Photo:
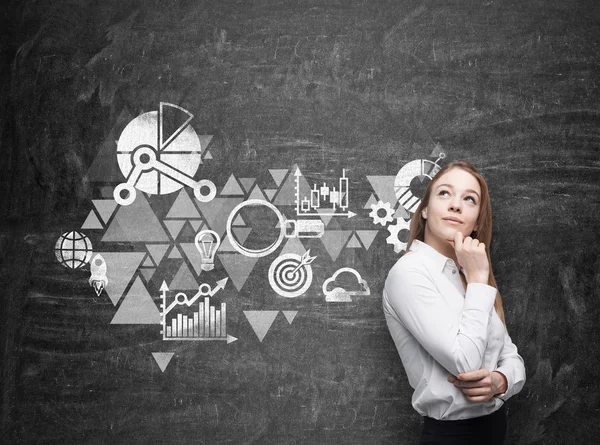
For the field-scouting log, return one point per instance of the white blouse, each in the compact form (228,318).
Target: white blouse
(441,330)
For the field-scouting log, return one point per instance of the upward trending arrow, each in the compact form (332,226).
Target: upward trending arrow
(220,285)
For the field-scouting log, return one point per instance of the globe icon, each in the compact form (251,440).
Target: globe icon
(73,250)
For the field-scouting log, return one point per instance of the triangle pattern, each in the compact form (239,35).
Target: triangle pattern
(163,359)
(120,267)
(217,211)
(238,267)
(191,253)
(196,224)
(183,207)
(137,307)
(278,175)
(270,193)
(401,212)
(384,188)
(105,167)
(293,245)
(114,231)
(137,223)
(247,183)
(226,246)
(241,233)
(238,221)
(91,222)
(334,241)
(187,231)
(367,237)
(257,194)
(290,315)
(184,280)
(148,262)
(287,192)
(437,149)
(147,273)
(232,188)
(157,251)
(174,227)
(205,140)
(208,155)
(370,202)
(175,254)
(354,243)
(105,208)
(325,218)
(261,321)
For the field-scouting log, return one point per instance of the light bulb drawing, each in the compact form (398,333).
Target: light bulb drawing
(207,242)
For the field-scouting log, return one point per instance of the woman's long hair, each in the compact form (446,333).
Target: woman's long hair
(484,222)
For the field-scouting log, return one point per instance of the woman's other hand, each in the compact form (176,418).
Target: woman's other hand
(480,385)
(471,255)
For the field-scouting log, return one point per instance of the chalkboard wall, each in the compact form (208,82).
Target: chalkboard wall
(283,91)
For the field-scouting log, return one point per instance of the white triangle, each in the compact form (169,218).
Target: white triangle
(231,338)
(261,321)
(290,315)
(232,188)
(162,359)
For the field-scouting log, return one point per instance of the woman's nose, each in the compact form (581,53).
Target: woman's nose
(455,204)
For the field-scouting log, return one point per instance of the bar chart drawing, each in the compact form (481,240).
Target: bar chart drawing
(205,322)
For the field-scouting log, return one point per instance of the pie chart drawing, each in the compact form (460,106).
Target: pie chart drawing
(421,170)
(159,152)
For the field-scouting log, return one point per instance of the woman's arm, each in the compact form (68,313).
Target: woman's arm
(511,364)
(457,344)
(482,385)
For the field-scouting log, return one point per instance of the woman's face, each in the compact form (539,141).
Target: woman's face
(456,195)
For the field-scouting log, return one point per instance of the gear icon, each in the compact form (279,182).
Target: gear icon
(383,220)
(394,230)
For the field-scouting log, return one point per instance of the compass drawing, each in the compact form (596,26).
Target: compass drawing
(159,152)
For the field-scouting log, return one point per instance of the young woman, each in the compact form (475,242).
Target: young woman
(445,315)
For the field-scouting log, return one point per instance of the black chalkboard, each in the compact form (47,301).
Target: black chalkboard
(331,89)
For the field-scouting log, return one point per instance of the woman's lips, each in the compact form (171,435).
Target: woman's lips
(451,221)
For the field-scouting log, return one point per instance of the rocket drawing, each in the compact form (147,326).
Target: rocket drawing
(98,279)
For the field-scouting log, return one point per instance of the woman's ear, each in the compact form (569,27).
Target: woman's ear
(424,213)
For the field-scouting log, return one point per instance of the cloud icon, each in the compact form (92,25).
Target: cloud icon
(353,285)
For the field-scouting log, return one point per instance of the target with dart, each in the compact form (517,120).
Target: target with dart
(290,275)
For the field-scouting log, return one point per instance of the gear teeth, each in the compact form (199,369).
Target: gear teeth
(382,220)
(394,230)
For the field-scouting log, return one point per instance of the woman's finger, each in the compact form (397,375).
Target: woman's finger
(479,398)
(475,384)
(476,391)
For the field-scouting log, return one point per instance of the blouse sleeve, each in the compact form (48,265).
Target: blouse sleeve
(511,364)
(457,344)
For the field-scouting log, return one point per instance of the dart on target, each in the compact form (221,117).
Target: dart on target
(290,275)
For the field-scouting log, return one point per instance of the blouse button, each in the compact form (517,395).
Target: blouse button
(454,271)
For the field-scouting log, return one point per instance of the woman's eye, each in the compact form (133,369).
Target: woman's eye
(468,197)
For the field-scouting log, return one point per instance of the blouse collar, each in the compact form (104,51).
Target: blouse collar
(440,261)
